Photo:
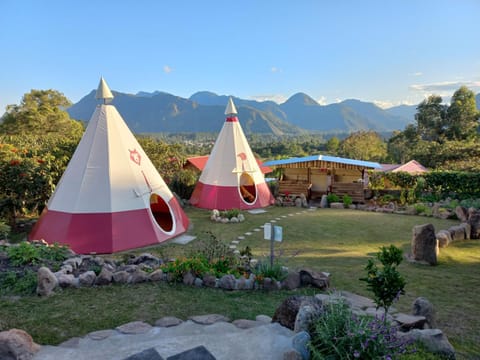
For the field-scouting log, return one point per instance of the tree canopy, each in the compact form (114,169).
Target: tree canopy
(444,136)
(364,145)
(40,112)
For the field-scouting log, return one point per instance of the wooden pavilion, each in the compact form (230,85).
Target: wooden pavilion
(317,175)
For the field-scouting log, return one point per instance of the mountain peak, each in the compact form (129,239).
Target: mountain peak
(301,99)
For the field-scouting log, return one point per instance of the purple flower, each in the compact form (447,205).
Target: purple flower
(356,354)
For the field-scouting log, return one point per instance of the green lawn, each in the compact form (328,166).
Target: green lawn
(336,241)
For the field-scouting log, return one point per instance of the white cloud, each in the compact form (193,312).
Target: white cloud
(388,104)
(384,104)
(416,74)
(278,98)
(275,69)
(167,69)
(322,100)
(443,87)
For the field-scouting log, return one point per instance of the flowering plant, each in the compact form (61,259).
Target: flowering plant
(340,334)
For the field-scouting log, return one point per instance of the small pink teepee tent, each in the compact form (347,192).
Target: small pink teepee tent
(231,178)
(111,197)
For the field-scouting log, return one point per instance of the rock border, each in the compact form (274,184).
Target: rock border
(77,272)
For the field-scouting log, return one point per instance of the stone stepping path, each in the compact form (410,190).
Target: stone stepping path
(201,337)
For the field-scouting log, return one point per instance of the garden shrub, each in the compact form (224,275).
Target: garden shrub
(420,208)
(4,229)
(386,283)
(25,253)
(340,334)
(22,282)
(265,270)
(347,200)
(230,213)
(183,183)
(332,198)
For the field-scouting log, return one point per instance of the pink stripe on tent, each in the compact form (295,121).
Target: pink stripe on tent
(232,119)
(227,197)
(104,233)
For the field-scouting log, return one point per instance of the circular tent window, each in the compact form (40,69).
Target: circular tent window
(247,188)
(161,212)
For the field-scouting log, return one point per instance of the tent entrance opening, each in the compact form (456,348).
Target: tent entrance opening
(161,212)
(248,190)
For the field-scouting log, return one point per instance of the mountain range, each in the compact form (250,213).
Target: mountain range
(158,111)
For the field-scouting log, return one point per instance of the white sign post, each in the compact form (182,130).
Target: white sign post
(272,233)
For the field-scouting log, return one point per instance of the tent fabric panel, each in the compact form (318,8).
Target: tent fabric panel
(132,173)
(104,233)
(211,197)
(84,173)
(101,176)
(230,156)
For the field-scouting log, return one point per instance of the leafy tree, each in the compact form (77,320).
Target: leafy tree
(167,158)
(364,145)
(462,116)
(333,144)
(443,137)
(431,118)
(400,144)
(40,112)
(386,283)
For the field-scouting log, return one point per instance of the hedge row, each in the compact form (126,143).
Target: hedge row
(461,184)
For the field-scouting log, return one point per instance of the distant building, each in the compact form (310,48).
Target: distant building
(411,167)
(317,175)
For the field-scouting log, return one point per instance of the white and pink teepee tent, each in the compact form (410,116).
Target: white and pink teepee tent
(231,178)
(111,197)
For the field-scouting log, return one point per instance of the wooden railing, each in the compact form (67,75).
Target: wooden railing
(294,187)
(354,190)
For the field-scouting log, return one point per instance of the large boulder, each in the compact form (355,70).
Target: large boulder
(462,213)
(286,313)
(308,312)
(16,344)
(444,238)
(457,232)
(138,276)
(474,221)
(317,279)
(424,244)
(156,275)
(227,282)
(292,281)
(87,278)
(104,278)
(209,281)
(434,341)
(46,281)
(188,278)
(423,307)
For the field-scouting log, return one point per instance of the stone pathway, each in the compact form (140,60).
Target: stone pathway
(200,337)
(235,243)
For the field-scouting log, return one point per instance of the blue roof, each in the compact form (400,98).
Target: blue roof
(336,159)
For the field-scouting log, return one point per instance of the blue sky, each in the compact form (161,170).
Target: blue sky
(386,51)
